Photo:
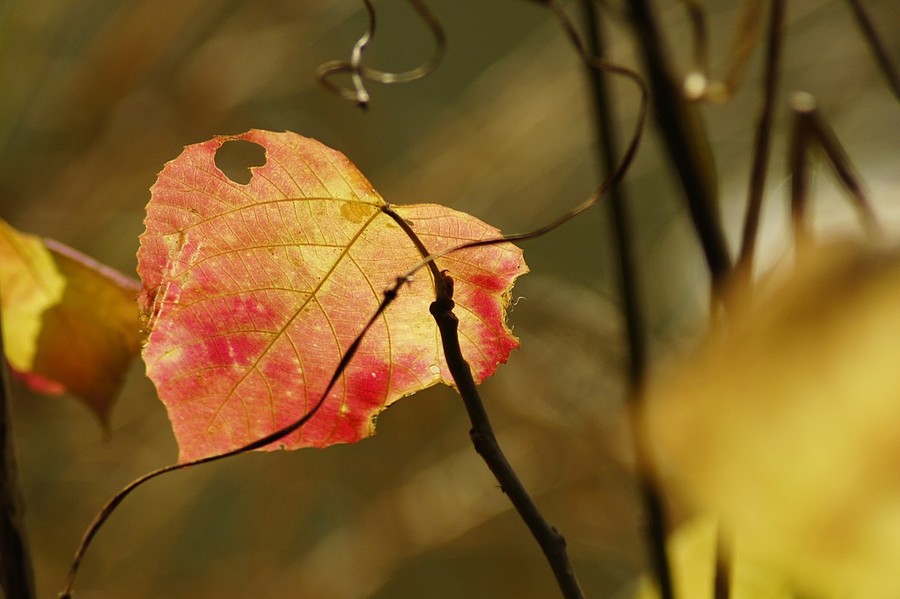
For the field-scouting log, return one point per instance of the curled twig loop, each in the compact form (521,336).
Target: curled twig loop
(360,73)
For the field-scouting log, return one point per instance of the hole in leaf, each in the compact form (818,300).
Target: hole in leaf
(236,157)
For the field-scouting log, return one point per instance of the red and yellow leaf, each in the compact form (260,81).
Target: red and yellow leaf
(69,324)
(252,293)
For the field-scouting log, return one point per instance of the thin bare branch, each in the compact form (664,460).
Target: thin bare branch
(686,142)
(798,166)
(654,507)
(810,130)
(844,171)
(882,57)
(552,543)
(762,138)
(485,441)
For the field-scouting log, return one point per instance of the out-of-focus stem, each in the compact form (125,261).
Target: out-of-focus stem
(762,140)
(16,574)
(628,288)
(685,140)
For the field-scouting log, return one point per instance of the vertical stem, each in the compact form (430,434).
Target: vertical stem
(552,543)
(722,575)
(628,289)
(697,14)
(607,154)
(762,140)
(802,104)
(685,140)
(16,575)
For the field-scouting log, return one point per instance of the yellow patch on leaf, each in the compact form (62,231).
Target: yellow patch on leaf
(30,283)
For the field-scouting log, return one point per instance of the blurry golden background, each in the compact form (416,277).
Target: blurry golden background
(98,94)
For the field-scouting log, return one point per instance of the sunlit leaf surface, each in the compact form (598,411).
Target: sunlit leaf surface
(252,293)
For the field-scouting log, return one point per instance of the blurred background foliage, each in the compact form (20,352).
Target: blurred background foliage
(97,95)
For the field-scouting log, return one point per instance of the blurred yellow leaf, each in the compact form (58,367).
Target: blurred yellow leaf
(692,555)
(787,424)
(69,324)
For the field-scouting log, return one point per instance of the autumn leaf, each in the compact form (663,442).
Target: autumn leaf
(69,324)
(252,293)
(786,423)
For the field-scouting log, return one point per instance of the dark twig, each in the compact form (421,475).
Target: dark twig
(723,572)
(16,575)
(844,171)
(686,141)
(628,289)
(607,152)
(552,543)
(762,139)
(888,68)
(550,540)
(809,128)
(700,32)
(801,104)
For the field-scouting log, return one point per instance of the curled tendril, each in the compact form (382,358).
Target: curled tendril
(359,73)
(599,64)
